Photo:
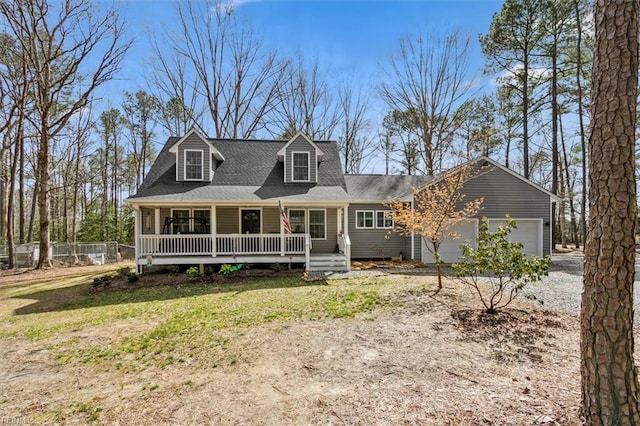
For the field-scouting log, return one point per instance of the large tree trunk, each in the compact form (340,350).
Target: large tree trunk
(43,200)
(609,378)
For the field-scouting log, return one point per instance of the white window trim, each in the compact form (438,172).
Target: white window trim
(384,212)
(184,166)
(307,220)
(293,168)
(190,210)
(240,219)
(373,222)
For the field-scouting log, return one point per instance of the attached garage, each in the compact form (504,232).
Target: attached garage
(528,232)
(450,251)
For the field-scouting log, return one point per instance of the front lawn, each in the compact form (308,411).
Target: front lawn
(277,350)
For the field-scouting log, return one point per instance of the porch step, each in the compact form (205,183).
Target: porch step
(327,262)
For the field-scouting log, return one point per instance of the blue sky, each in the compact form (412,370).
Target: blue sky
(351,38)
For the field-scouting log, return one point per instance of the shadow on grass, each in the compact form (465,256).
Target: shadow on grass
(81,296)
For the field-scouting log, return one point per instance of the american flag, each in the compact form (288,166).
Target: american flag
(285,219)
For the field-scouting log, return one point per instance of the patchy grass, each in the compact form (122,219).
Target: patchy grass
(193,322)
(279,350)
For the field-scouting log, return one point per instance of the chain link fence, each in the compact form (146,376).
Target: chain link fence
(96,253)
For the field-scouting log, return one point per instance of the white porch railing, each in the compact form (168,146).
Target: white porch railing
(174,245)
(259,244)
(344,245)
(226,244)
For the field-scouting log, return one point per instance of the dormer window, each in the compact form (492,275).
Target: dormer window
(193,164)
(300,169)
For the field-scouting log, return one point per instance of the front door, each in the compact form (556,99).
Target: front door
(250,224)
(250,221)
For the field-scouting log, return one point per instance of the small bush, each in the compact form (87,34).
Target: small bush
(125,271)
(277,267)
(226,269)
(174,269)
(498,269)
(208,271)
(193,271)
(132,277)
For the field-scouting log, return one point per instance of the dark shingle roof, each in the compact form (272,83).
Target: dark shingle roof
(250,172)
(382,187)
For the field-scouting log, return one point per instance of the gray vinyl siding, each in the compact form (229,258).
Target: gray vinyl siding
(271,220)
(300,145)
(506,194)
(328,245)
(165,213)
(194,142)
(375,243)
(227,220)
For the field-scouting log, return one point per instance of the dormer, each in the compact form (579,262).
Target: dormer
(196,158)
(300,157)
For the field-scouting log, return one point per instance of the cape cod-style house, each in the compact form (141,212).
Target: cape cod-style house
(216,201)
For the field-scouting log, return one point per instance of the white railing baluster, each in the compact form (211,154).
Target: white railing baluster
(225,244)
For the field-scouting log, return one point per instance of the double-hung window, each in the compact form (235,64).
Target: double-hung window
(313,222)
(300,166)
(317,224)
(297,219)
(200,220)
(383,221)
(364,219)
(193,165)
(180,221)
(373,219)
(190,221)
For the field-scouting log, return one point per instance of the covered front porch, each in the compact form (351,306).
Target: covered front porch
(219,234)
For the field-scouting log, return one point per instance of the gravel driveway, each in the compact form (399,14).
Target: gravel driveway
(562,289)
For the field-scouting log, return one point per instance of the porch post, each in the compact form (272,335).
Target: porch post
(413,236)
(345,218)
(156,213)
(282,242)
(214,225)
(136,236)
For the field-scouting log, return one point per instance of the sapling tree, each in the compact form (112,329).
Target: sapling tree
(498,269)
(436,209)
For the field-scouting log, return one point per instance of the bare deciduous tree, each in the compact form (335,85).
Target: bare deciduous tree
(215,58)
(354,141)
(304,103)
(430,76)
(63,44)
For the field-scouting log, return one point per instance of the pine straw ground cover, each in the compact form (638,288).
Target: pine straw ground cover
(279,350)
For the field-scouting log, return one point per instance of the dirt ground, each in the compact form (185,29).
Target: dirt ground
(434,361)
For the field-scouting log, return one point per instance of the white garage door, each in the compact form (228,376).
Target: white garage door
(450,249)
(529,233)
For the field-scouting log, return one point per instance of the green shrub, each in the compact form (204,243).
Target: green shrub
(208,271)
(498,269)
(174,269)
(193,271)
(277,267)
(226,269)
(124,271)
(132,277)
